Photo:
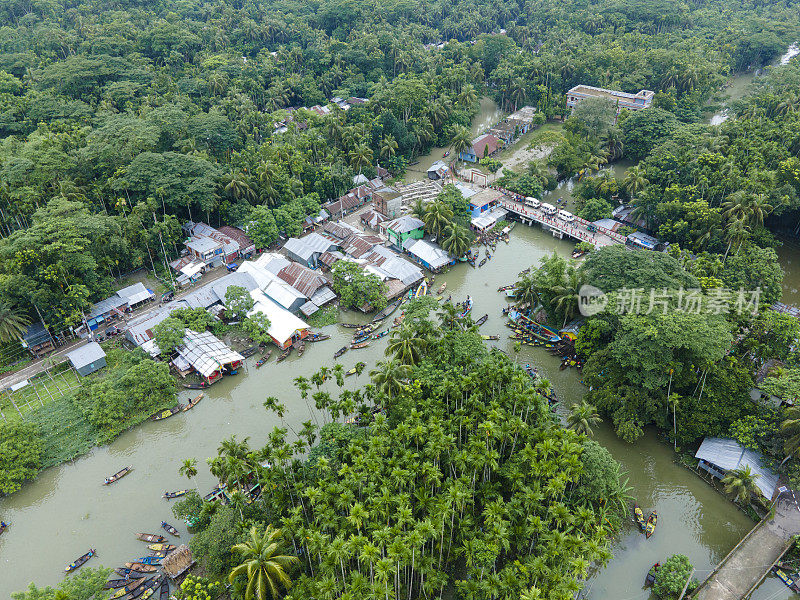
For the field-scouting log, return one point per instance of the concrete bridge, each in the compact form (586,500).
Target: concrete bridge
(750,561)
(577,229)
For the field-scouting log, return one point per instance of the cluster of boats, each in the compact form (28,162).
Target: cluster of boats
(647,527)
(139,579)
(169,412)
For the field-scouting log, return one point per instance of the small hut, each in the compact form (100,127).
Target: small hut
(178,562)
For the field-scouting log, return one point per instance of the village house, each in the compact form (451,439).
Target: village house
(246,246)
(359,244)
(206,354)
(114,307)
(489,219)
(352,200)
(285,328)
(387,201)
(718,456)
(313,286)
(482,146)
(637,101)
(400,229)
(306,250)
(483,201)
(372,219)
(438,170)
(429,255)
(210,246)
(37,340)
(340,230)
(87,359)
(399,274)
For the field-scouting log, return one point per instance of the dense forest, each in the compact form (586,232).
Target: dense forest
(118,123)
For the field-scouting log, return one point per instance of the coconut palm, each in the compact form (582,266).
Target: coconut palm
(189,470)
(526,293)
(634,180)
(791,427)
(449,315)
(406,345)
(565,294)
(389,146)
(360,156)
(418,209)
(238,187)
(389,376)
(461,140)
(583,417)
(266,571)
(456,240)
(13,323)
(741,483)
(438,216)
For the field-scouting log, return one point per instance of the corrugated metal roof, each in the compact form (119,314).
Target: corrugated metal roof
(728,454)
(135,293)
(361,244)
(206,352)
(340,230)
(86,355)
(107,305)
(404,224)
(302,279)
(432,255)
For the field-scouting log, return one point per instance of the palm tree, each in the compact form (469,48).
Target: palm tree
(461,140)
(741,483)
(389,376)
(449,315)
(406,345)
(238,187)
(437,217)
(456,240)
(582,417)
(418,209)
(389,146)
(360,155)
(791,427)
(13,323)
(189,470)
(526,293)
(565,295)
(467,97)
(634,180)
(263,567)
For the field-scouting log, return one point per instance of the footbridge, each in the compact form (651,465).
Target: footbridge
(751,560)
(578,229)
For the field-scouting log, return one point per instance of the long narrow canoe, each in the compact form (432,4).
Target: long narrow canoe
(359,345)
(149,560)
(118,475)
(163,593)
(167,527)
(351,325)
(128,588)
(143,591)
(166,413)
(248,352)
(388,310)
(317,337)
(651,524)
(340,351)
(490,337)
(639,515)
(80,561)
(153,538)
(193,402)
(164,547)
(260,362)
(178,494)
(195,386)
(285,354)
(130,573)
(140,567)
(442,288)
(354,370)
(482,320)
(114,584)
(301,347)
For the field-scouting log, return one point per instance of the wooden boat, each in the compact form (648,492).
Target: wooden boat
(195,386)
(3,527)
(169,528)
(166,413)
(359,345)
(483,262)
(163,590)
(149,560)
(260,362)
(130,573)
(354,370)
(351,325)
(141,567)
(163,547)
(380,334)
(285,354)
(398,320)
(367,329)
(467,308)
(153,538)
(118,475)
(301,348)
(153,588)
(388,310)
(576,254)
(421,290)
(651,524)
(503,288)
(442,288)
(248,352)
(80,561)
(317,337)
(639,516)
(127,589)
(482,320)
(115,584)
(339,352)
(490,337)
(178,494)
(650,578)
(193,402)
(786,579)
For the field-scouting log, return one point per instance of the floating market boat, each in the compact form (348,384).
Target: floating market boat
(285,354)
(316,337)
(178,494)
(163,547)
(301,348)
(196,386)
(786,579)
(421,290)
(359,345)
(442,288)
(651,524)
(650,579)
(118,475)
(339,352)
(467,304)
(398,320)
(351,325)
(503,288)
(166,413)
(114,584)
(80,561)
(361,338)
(380,334)
(153,538)
(367,329)
(482,320)
(639,516)
(127,589)
(163,593)
(141,567)
(170,529)
(130,573)
(483,262)
(355,369)
(3,527)
(193,402)
(388,310)
(260,362)
(490,337)
(149,560)
(248,352)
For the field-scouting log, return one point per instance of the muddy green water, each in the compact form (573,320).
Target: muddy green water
(66,510)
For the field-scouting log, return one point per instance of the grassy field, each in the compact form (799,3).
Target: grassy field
(41,390)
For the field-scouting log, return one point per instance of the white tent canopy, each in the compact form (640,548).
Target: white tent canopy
(283,324)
